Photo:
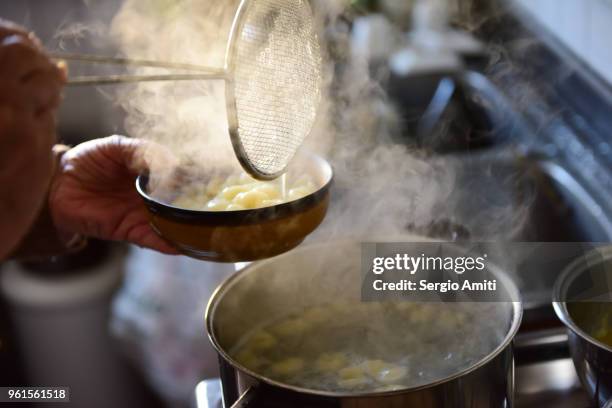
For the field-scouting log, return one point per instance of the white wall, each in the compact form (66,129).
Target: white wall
(584,25)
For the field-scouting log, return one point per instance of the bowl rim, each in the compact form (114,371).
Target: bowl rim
(567,277)
(516,319)
(241,217)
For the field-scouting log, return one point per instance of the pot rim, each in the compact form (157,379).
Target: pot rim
(517,315)
(575,269)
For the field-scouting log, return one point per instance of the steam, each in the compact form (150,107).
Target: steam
(188,118)
(383,187)
(380,188)
(74,33)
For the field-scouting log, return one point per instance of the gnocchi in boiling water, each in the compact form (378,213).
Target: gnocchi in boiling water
(381,347)
(242,193)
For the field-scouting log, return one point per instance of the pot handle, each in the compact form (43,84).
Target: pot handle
(248,399)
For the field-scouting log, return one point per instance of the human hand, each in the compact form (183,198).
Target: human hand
(94,193)
(30,93)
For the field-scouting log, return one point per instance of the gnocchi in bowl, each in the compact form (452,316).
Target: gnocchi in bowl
(242,192)
(238,219)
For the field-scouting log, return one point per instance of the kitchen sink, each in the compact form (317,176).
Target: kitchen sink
(534,199)
(539,213)
(507,189)
(563,210)
(454,113)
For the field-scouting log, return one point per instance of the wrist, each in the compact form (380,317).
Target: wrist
(71,241)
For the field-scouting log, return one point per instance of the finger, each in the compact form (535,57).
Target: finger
(43,91)
(152,154)
(138,155)
(19,58)
(9,28)
(62,66)
(46,125)
(165,174)
(140,233)
(154,242)
(123,158)
(123,152)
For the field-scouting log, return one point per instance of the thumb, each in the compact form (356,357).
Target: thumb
(137,155)
(162,166)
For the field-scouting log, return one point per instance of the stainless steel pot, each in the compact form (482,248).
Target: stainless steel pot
(319,274)
(582,293)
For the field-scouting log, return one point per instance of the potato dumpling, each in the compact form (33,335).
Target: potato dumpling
(229,193)
(405,306)
(271,191)
(235,207)
(316,315)
(390,387)
(291,327)
(351,372)
(353,382)
(262,340)
(287,367)
(250,199)
(218,204)
(249,359)
(374,367)
(391,374)
(329,362)
(271,203)
(448,319)
(299,192)
(423,314)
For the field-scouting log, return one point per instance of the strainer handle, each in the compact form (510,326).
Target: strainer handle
(204,73)
(123,79)
(104,60)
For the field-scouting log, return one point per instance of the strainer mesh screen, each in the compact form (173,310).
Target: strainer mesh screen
(277,81)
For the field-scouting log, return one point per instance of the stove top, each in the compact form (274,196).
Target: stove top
(549,384)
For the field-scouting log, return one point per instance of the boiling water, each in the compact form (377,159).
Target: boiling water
(373,346)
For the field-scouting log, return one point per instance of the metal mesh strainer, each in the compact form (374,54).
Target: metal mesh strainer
(275,89)
(273,77)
